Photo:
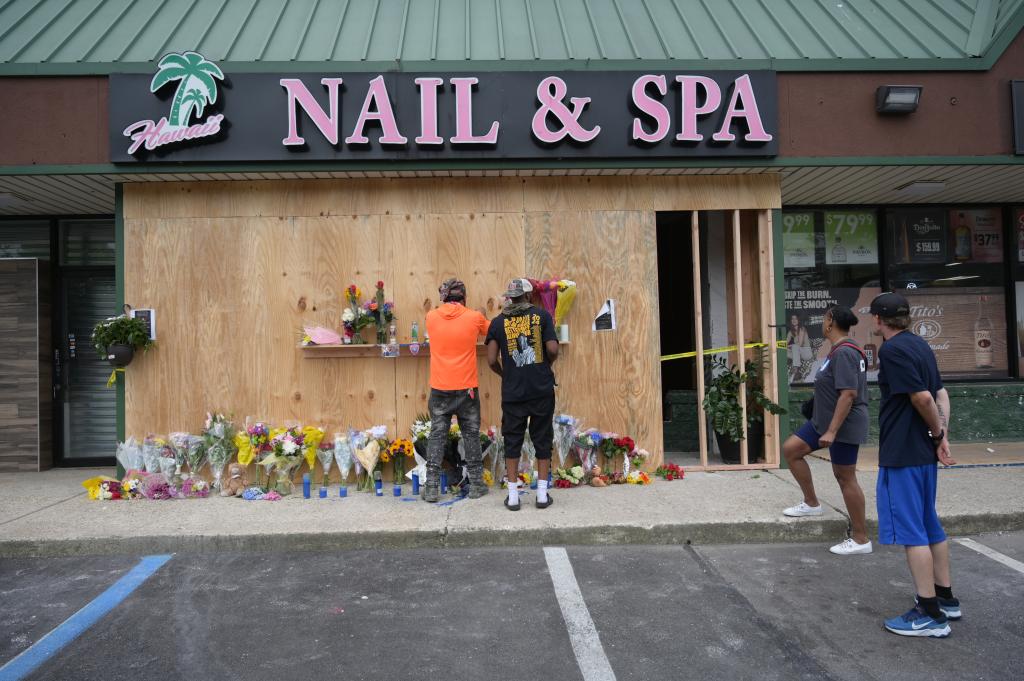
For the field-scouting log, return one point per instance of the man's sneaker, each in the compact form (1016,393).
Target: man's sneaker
(916,622)
(850,547)
(950,607)
(802,509)
(477,490)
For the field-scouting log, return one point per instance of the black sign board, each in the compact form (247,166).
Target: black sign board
(1017,97)
(428,117)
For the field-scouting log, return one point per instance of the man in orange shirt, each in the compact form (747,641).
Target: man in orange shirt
(453,330)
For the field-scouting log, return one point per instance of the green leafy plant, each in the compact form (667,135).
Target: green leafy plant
(722,399)
(120,330)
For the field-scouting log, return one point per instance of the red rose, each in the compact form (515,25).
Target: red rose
(380,284)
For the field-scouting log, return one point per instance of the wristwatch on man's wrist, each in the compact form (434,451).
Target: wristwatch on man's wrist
(937,439)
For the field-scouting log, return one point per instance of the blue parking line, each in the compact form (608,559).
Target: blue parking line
(73,627)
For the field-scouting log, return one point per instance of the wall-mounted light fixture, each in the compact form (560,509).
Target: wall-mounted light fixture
(897,99)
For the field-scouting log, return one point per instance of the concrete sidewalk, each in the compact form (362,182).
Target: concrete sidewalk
(45,514)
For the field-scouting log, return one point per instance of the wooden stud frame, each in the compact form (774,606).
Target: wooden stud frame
(765,298)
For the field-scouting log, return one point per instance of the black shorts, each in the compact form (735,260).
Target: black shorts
(541,414)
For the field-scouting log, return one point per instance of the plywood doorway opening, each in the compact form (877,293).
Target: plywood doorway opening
(730,307)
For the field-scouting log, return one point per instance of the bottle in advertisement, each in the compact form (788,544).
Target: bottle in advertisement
(871,355)
(962,240)
(982,337)
(838,252)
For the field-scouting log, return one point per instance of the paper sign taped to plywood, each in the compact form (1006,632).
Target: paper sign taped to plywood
(148,317)
(605,319)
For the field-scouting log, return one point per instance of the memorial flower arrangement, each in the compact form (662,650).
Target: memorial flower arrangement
(545,294)
(258,438)
(312,436)
(354,318)
(343,455)
(397,453)
(420,430)
(565,427)
(566,297)
(219,437)
(285,455)
(325,454)
(585,444)
(612,447)
(380,312)
(670,472)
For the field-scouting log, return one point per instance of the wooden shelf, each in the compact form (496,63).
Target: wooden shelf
(371,351)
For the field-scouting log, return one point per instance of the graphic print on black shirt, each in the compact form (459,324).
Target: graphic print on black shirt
(526,372)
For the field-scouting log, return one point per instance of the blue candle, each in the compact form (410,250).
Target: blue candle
(378,487)
(323,492)
(397,490)
(415,483)
(305,485)
(343,491)
(444,482)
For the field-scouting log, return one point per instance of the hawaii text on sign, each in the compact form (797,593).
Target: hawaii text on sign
(189,111)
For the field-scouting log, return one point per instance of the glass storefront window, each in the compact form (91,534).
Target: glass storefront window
(1017,249)
(831,258)
(949,264)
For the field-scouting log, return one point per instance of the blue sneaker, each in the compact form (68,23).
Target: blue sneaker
(916,622)
(950,607)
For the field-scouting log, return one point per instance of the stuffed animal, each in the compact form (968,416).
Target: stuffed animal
(235,483)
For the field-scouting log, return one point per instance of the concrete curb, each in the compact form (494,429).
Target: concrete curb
(805,530)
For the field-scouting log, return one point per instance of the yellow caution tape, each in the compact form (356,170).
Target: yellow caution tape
(714,351)
(113,377)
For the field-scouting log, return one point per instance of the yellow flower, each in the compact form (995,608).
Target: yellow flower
(488,478)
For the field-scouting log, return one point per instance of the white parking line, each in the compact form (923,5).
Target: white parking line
(586,644)
(1011,563)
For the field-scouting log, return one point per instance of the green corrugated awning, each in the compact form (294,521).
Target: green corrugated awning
(105,36)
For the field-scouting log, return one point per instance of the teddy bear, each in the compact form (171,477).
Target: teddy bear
(235,483)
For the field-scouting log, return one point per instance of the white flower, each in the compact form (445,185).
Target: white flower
(348,315)
(290,447)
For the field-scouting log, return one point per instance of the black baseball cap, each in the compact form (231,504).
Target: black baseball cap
(890,305)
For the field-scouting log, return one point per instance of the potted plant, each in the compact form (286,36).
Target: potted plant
(722,404)
(117,338)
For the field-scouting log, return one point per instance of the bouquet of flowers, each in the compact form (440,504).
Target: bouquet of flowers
(613,446)
(196,453)
(259,438)
(566,297)
(528,458)
(397,452)
(194,488)
(421,433)
(635,460)
(343,455)
(129,455)
(380,312)
(495,449)
(586,443)
(570,477)
(367,448)
(354,318)
(312,436)
(670,471)
(219,436)
(545,292)
(325,454)
(565,434)
(103,487)
(131,487)
(638,478)
(156,487)
(169,463)
(285,454)
(179,444)
(152,448)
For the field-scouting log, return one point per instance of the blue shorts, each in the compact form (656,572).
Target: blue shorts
(906,506)
(841,453)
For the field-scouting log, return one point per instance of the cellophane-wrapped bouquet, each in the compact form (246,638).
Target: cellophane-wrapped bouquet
(219,436)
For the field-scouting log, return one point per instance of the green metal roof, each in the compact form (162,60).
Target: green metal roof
(104,36)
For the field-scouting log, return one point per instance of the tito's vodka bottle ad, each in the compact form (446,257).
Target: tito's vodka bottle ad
(982,337)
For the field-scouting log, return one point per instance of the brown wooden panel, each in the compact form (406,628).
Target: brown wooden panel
(22,426)
(611,380)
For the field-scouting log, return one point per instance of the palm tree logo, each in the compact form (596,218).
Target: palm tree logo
(196,84)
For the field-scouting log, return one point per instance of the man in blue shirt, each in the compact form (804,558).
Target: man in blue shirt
(913,420)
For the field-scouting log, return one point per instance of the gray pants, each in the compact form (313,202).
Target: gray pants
(443,404)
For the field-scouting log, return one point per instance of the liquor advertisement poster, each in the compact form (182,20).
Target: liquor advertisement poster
(976,235)
(807,347)
(965,327)
(798,239)
(918,236)
(851,238)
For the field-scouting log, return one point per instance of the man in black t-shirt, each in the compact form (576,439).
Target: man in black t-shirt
(521,345)
(913,420)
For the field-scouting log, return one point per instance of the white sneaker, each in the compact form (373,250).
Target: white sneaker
(802,509)
(850,547)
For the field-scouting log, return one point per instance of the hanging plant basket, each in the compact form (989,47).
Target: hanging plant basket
(120,355)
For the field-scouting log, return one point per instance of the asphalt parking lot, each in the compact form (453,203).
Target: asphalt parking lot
(781,611)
